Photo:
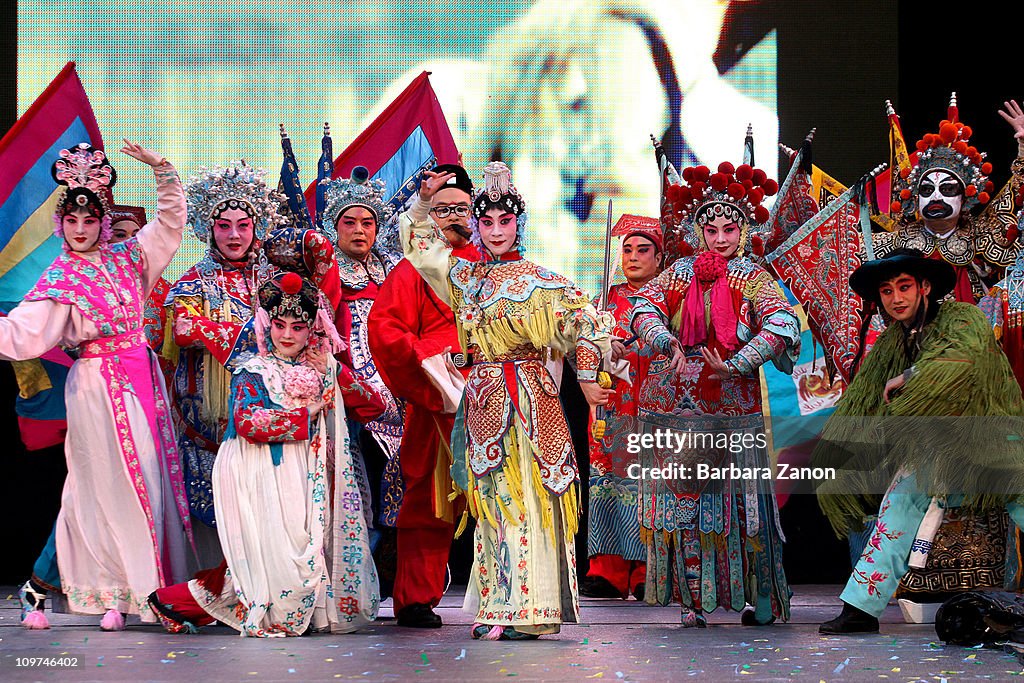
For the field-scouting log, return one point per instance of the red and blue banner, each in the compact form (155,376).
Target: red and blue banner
(61,117)
(408,137)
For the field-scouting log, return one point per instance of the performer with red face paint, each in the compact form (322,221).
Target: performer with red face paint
(617,555)
(354,212)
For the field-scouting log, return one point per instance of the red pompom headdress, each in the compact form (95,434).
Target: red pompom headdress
(736,191)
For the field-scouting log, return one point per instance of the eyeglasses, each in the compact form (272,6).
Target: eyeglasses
(460,210)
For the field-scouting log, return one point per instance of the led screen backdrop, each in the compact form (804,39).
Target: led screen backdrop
(566,92)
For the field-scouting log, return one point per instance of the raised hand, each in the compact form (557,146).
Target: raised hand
(432,182)
(146,156)
(1014,116)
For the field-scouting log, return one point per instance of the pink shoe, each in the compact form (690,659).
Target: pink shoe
(32,602)
(112,621)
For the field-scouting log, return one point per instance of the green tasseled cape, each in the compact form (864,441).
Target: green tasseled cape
(927,429)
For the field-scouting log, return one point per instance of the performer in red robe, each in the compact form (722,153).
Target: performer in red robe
(410,324)
(355,210)
(618,558)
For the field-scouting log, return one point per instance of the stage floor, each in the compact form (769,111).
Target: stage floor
(625,641)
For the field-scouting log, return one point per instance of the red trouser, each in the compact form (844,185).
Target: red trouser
(423,539)
(178,598)
(625,575)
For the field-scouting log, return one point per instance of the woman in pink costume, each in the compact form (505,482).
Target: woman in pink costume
(121,531)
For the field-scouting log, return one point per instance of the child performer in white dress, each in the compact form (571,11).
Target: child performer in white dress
(289,512)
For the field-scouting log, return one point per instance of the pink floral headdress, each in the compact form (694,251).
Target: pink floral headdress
(89,177)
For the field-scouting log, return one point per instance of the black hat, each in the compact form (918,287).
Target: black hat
(866,279)
(461,180)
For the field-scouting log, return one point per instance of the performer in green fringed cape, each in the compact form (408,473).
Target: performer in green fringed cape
(934,412)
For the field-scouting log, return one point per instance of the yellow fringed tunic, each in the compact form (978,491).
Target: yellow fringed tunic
(515,462)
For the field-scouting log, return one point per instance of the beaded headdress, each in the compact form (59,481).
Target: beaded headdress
(289,294)
(89,177)
(498,192)
(949,150)
(236,186)
(359,190)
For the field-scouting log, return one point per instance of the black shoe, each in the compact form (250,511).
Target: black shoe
(599,587)
(418,616)
(639,591)
(748,617)
(851,620)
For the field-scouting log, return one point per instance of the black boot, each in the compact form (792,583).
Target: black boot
(599,587)
(418,616)
(851,620)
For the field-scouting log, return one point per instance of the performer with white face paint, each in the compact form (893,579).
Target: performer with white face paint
(938,195)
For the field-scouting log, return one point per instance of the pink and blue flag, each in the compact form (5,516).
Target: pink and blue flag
(408,137)
(59,118)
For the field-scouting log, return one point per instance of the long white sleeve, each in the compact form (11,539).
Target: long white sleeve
(426,251)
(35,327)
(161,237)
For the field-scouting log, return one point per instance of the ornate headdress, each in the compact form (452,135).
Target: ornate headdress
(734,191)
(289,294)
(89,177)
(359,190)
(307,290)
(949,150)
(629,225)
(236,186)
(498,192)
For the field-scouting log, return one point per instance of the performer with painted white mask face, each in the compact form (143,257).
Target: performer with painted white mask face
(938,195)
